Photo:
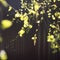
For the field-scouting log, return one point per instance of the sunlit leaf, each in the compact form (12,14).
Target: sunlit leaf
(3,55)
(6,24)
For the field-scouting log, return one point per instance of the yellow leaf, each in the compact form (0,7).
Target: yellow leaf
(4,3)
(6,24)
(21,32)
(30,26)
(17,15)
(10,8)
(3,55)
(53,26)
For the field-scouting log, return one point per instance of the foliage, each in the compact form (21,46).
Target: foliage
(35,10)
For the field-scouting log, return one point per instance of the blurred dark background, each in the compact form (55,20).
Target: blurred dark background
(22,48)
